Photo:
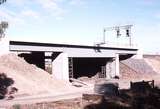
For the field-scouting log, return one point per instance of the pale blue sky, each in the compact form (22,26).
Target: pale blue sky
(82,21)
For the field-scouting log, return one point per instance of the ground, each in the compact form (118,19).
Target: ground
(33,93)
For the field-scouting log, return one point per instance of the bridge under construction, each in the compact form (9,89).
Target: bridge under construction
(73,61)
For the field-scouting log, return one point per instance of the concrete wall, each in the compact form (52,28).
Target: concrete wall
(60,67)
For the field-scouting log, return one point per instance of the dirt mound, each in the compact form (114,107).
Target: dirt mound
(28,78)
(139,65)
(137,69)
(128,73)
(154,63)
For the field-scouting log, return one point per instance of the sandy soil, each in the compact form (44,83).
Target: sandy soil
(35,82)
(29,79)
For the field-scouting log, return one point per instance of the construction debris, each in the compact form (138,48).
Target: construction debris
(77,83)
(106,88)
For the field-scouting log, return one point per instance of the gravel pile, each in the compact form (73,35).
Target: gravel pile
(154,63)
(147,68)
(139,65)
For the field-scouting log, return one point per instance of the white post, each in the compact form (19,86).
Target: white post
(108,70)
(60,67)
(117,65)
(113,67)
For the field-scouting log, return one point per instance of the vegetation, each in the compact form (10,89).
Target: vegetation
(141,96)
(16,106)
(5,89)
(2,1)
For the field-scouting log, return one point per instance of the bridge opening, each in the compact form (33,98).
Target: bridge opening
(87,67)
(36,58)
(42,60)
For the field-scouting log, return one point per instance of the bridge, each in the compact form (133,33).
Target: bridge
(73,61)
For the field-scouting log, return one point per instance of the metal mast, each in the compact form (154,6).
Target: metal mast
(117,29)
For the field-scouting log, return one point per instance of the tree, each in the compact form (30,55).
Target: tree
(3,27)
(3,24)
(2,1)
(5,86)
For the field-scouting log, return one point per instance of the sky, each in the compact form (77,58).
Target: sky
(82,21)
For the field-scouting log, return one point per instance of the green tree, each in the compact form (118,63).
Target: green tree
(3,27)
(6,88)
(5,82)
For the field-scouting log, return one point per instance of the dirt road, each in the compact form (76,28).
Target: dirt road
(46,97)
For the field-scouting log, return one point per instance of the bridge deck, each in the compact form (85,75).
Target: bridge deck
(72,50)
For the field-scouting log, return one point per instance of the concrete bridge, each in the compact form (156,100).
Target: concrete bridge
(73,61)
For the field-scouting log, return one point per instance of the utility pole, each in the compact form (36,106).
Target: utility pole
(104,37)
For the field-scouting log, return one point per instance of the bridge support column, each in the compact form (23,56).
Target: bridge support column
(117,65)
(60,67)
(110,69)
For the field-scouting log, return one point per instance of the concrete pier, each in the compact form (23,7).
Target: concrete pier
(60,67)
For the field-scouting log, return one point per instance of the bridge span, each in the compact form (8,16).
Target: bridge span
(73,61)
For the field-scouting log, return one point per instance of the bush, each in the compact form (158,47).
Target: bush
(5,83)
